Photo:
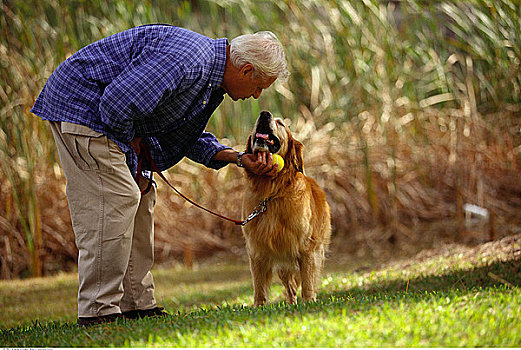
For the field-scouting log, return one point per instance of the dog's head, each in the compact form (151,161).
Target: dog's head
(272,135)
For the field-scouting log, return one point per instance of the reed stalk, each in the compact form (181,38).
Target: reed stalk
(406,108)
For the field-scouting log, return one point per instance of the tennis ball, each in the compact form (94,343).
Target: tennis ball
(278,160)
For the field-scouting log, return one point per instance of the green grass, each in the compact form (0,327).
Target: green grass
(467,298)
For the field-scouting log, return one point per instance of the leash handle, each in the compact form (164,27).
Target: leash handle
(145,154)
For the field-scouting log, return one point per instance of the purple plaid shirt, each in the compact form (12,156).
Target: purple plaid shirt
(158,82)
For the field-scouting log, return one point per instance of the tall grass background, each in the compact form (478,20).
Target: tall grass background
(407,109)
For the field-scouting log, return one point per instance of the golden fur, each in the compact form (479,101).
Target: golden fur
(292,236)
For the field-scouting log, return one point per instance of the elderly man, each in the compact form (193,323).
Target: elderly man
(156,85)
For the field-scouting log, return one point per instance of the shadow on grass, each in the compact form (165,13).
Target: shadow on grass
(506,272)
(213,274)
(216,296)
(125,333)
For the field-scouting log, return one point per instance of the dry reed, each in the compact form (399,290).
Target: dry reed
(407,110)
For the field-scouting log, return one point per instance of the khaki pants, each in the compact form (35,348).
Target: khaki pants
(112,223)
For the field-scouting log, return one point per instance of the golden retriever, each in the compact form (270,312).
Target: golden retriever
(293,234)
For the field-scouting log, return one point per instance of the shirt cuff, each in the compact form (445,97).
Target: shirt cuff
(217,164)
(205,149)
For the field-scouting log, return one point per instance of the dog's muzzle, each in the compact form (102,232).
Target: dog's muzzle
(264,139)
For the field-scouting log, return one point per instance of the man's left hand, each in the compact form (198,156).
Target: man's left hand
(260,163)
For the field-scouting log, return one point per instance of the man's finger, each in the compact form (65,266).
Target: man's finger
(272,172)
(261,158)
(269,160)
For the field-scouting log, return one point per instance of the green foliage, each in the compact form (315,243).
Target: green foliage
(465,299)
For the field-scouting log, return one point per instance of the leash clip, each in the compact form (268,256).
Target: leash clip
(259,209)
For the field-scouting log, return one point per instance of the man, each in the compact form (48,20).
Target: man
(156,85)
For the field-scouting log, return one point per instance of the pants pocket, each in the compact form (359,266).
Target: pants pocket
(90,149)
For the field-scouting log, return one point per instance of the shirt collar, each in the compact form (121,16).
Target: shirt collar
(216,77)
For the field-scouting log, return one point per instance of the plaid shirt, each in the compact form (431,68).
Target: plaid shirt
(158,82)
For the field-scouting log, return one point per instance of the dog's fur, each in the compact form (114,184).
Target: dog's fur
(292,236)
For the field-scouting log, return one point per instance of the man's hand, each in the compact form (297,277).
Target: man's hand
(134,143)
(260,163)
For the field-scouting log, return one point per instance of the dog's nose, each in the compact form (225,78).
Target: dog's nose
(265,114)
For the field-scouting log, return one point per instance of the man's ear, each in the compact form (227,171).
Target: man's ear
(247,69)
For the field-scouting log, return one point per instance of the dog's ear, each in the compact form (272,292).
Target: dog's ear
(299,151)
(248,145)
(294,155)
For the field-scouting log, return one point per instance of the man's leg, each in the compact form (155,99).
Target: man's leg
(138,283)
(103,200)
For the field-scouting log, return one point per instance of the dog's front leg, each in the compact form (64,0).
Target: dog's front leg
(261,271)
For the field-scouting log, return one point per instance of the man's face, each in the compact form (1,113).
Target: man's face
(245,86)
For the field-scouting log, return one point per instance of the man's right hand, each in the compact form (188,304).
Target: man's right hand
(135,144)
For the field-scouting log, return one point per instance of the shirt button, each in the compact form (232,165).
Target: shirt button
(204,102)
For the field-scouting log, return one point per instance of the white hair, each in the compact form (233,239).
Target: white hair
(262,50)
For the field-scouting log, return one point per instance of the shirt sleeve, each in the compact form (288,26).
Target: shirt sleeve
(137,91)
(204,149)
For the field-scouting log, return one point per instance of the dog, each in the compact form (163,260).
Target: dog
(292,236)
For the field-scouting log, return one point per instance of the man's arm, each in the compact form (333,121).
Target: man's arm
(259,164)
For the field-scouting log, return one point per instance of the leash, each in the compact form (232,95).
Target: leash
(144,155)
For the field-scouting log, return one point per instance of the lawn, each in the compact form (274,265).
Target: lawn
(457,296)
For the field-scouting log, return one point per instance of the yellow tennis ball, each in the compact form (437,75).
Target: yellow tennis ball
(278,160)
